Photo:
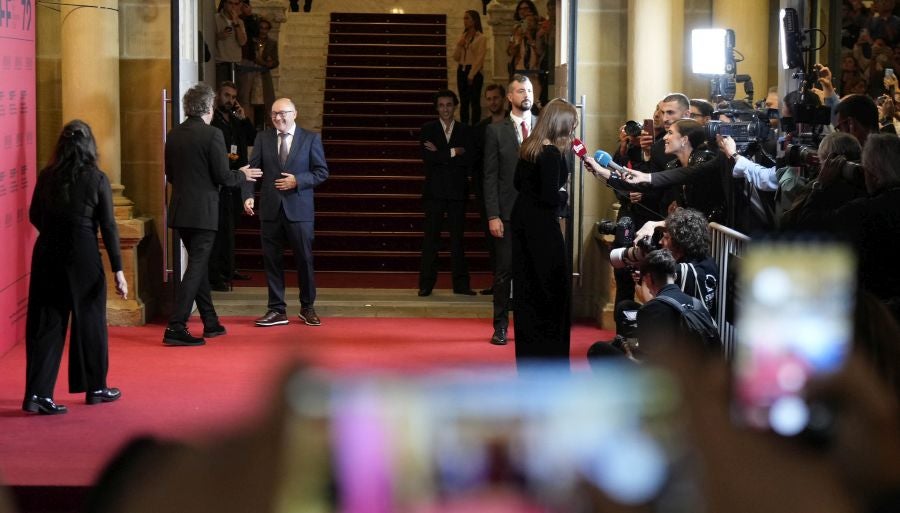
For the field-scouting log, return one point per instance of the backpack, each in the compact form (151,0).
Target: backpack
(697,321)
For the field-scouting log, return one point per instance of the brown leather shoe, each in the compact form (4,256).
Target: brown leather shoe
(272,318)
(308,315)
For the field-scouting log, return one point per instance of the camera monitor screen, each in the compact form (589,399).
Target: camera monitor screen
(481,441)
(794,323)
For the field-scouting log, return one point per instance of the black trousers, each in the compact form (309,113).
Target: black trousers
(541,275)
(502,276)
(434,221)
(194,285)
(469,95)
(63,284)
(221,261)
(299,235)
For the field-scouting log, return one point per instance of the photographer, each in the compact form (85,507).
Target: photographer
(685,234)
(837,182)
(872,223)
(658,323)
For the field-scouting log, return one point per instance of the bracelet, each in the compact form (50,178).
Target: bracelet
(734,156)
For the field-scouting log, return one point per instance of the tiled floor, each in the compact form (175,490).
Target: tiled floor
(345,302)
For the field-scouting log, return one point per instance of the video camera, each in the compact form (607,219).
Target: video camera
(754,129)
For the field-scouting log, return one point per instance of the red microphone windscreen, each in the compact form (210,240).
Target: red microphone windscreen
(578,148)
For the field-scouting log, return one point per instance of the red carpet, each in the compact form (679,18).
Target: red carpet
(189,392)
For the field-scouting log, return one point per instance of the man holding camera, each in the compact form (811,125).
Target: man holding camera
(238,131)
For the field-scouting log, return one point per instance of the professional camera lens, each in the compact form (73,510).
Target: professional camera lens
(606,227)
(633,128)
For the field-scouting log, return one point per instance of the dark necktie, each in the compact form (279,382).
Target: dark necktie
(524,130)
(283,148)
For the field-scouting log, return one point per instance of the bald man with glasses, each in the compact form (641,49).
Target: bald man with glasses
(293,164)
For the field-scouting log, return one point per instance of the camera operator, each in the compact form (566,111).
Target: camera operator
(838,181)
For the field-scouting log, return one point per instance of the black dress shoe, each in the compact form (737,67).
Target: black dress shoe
(219,286)
(424,292)
(240,277)
(181,337)
(466,292)
(499,337)
(272,318)
(487,292)
(214,331)
(104,395)
(43,405)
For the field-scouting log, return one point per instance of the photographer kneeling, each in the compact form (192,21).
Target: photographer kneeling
(685,234)
(660,322)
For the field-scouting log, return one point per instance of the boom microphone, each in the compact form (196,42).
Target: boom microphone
(605,160)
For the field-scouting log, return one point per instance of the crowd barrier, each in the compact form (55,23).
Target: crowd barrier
(727,247)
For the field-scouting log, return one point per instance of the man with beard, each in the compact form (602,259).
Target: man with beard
(495,98)
(238,131)
(501,154)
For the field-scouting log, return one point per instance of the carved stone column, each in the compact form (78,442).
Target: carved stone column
(500,18)
(89,42)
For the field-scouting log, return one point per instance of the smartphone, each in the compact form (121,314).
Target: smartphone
(516,443)
(649,128)
(794,323)
(889,72)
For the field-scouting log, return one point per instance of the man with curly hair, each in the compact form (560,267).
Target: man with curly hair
(686,236)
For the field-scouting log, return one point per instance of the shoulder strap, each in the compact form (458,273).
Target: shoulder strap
(671,302)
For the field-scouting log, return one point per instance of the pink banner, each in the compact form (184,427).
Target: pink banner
(18,158)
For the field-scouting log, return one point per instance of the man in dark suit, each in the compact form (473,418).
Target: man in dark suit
(238,131)
(501,154)
(446,151)
(293,164)
(495,99)
(197,165)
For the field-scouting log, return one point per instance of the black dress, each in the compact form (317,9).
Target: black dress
(67,278)
(540,267)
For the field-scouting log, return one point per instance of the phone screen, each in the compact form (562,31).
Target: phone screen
(794,322)
(477,442)
(648,127)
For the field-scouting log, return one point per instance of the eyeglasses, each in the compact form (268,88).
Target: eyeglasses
(283,114)
(695,115)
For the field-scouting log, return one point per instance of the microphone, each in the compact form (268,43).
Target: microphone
(578,148)
(605,160)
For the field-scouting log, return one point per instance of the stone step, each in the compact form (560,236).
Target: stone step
(330,302)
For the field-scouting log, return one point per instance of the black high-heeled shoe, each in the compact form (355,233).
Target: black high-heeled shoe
(104,395)
(43,405)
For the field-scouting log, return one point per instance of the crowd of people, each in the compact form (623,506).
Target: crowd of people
(245,55)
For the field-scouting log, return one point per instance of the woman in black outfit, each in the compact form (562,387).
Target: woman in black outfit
(71,200)
(540,269)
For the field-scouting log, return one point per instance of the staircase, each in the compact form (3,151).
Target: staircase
(381,72)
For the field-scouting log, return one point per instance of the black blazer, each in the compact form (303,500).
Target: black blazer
(196,165)
(446,177)
(306,161)
(501,154)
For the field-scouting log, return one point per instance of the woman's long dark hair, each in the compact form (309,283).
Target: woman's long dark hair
(476,20)
(75,151)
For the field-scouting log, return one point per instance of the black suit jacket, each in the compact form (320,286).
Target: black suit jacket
(196,165)
(446,177)
(306,161)
(501,155)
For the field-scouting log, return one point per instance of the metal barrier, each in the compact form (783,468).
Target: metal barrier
(726,245)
